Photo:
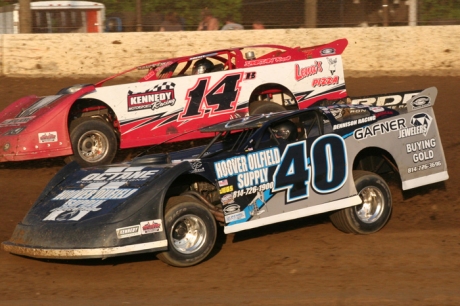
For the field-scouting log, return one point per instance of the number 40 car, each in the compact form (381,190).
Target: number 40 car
(257,170)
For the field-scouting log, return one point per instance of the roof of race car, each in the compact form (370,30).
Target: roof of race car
(292,53)
(256,121)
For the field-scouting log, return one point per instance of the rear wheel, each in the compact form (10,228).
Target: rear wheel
(265,107)
(375,210)
(191,232)
(93,142)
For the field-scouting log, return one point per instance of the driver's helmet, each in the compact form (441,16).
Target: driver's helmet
(285,130)
(202,66)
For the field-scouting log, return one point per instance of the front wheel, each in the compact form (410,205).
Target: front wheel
(93,142)
(375,210)
(191,232)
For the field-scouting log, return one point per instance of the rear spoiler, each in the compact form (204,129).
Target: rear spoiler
(410,100)
(424,99)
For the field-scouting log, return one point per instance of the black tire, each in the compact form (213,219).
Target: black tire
(373,214)
(191,231)
(265,107)
(93,142)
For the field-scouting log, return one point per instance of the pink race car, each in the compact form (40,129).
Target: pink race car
(90,122)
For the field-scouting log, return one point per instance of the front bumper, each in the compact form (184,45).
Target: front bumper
(37,252)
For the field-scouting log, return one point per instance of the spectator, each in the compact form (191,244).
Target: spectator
(230,24)
(208,21)
(171,23)
(258,25)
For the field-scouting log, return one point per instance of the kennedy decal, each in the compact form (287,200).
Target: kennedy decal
(160,95)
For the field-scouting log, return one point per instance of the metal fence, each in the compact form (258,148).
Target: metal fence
(189,15)
(277,14)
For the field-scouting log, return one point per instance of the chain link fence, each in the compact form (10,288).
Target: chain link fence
(190,15)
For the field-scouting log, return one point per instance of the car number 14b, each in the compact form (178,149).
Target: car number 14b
(326,169)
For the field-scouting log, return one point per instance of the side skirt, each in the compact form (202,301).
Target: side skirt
(299,213)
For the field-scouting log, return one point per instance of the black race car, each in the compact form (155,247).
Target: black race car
(257,170)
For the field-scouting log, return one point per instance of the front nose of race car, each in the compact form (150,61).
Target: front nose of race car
(94,213)
(36,127)
(98,237)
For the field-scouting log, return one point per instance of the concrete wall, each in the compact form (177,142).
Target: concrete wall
(376,51)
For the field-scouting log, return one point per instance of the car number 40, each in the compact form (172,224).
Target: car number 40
(326,168)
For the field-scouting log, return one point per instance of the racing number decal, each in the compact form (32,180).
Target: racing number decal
(221,98)
(289,173)
(328,168)
(328,153)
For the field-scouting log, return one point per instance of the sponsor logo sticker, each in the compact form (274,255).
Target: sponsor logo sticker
(152,226)
(159,96)
(129,231)
(421,102)
(47,137)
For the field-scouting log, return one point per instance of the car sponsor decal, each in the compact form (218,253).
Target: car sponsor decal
(150,227)
(226,189)
(391,101)
(327,51)
(420,125)
(47,137)
(302,73)
(379,128)
(421,150)
(326,81)
(421,102)
(267,61)
(129,231)
(197,166)
(159,96)
(227,199)
(354,122)
(332,64)
(144,228)
(98,188)
(250,169)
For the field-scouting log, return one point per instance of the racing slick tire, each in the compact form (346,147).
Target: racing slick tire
(93,142)
(265,107)
(191,232)
(370,216)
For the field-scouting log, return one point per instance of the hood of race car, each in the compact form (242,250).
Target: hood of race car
(94,193)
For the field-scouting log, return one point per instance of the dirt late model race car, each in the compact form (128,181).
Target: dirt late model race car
(91,122)
(257,170)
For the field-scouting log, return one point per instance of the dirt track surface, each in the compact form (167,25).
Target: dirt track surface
(414,260)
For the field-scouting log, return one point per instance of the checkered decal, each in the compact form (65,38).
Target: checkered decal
(164,86)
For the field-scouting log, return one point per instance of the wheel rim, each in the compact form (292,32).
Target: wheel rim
(372,207)
(188,234)
(93,146)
